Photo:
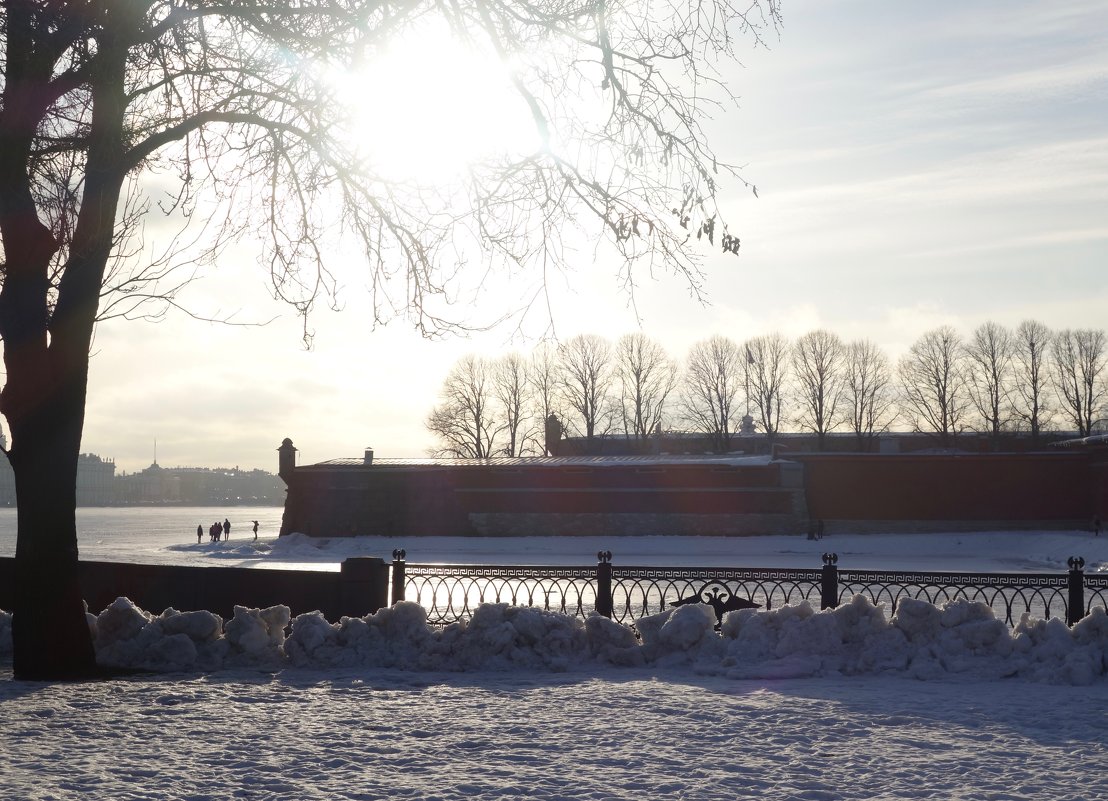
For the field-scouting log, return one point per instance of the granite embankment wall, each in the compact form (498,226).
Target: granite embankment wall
(358,588)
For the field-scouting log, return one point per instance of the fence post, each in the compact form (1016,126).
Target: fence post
(398,575)
(362,588)
(829,584)
(1077,590)
(604,583)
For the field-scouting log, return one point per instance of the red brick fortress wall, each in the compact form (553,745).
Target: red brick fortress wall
(1031,488)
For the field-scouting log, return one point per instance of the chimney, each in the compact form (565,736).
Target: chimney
(368,460)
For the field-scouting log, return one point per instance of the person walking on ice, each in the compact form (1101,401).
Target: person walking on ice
(255,531)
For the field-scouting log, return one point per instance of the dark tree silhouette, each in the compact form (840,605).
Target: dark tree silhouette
(711,382)
(647,377)
(229,104)
(933,383)
(511,387)
(767,373)
(1079,357)
(868,392)
(587,373)
(989,375)
(818,361)
(466,421)
(1030,393)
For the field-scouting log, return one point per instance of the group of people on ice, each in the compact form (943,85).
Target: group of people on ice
(216,531)
(220,531)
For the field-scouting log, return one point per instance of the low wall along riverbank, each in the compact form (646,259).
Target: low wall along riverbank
(357,589)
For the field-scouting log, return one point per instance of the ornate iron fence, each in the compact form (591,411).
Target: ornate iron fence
(452,592)
(641,591)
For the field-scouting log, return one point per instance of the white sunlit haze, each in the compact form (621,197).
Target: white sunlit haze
(428,107)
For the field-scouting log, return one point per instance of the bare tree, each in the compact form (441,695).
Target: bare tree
(818,362)
(933,383)
(989,374)
(511,387)
(767,366)
(647,376)
(586,372)
(713,375)
(466,421)
(868,391)
(1078,360)
(1030,391)
(232,107)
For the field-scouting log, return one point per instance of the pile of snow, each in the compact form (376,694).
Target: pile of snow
(961,638)
(126,636)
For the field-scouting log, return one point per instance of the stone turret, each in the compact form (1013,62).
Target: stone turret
(553,435)
(286,460)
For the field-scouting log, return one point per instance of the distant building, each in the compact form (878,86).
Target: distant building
(153,485)
(99,485)
(95,481)
(200,486)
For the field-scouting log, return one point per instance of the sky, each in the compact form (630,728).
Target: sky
(916,165)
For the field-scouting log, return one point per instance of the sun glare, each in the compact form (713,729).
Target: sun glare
(428,107)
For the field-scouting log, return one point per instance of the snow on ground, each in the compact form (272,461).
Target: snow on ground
(639,735)
(785,704)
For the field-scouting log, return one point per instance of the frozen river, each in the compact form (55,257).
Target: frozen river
(149,534)
(167,535)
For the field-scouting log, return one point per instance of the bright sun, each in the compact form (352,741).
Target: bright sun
(427,107)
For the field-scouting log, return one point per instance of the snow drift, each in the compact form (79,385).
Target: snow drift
(961,638)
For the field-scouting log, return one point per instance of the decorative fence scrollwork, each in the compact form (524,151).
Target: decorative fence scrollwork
(641,591)
(453,592)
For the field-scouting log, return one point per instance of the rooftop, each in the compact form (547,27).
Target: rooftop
(736,460)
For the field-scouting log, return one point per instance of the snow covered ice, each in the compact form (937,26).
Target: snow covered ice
(791,703)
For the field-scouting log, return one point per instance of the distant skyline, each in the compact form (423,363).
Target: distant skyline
(916,165)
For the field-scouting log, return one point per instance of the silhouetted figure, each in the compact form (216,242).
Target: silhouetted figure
(819,529)
(255,531)
(199,533)
(1096,526)
(226,529)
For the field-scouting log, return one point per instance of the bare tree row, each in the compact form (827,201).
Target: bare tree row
(996,381)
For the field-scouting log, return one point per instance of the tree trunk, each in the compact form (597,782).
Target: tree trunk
(46,354)
(50,633)
(44,401)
